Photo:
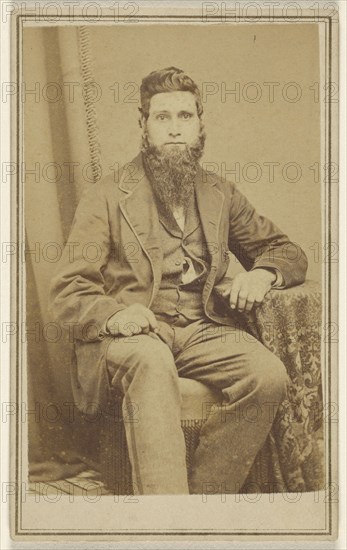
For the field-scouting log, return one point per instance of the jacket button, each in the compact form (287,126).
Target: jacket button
(178,262)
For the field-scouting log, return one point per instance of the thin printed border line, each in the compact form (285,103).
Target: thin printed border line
(18,509)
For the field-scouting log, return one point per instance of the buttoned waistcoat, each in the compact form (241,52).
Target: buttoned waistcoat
(113,258)
(184,266)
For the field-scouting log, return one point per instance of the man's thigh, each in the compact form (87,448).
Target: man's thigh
(139,354)
(221,355)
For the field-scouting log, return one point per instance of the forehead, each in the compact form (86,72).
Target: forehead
(173,101)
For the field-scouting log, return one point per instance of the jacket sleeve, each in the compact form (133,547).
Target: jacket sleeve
(77,294)
(257,242)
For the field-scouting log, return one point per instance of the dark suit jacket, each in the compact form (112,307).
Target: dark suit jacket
(113,258)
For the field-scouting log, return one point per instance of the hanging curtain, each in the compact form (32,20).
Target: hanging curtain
(60,139)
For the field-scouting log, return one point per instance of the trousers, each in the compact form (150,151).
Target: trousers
(146,370)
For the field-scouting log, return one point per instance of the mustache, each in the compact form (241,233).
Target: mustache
(194,151)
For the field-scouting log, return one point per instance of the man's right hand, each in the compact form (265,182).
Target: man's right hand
(134,319)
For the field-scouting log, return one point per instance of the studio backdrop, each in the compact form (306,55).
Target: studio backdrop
(80,99)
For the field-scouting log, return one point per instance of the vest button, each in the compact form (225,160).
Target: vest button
(178,262)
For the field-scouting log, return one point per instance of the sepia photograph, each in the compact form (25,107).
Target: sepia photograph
(174,257)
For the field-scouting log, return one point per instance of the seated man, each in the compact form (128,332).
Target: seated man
(143,302)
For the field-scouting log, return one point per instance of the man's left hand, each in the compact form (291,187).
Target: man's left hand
(249,289)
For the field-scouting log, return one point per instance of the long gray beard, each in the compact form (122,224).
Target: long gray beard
(172,171)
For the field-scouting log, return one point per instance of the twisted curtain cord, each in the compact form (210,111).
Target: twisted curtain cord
(86,66)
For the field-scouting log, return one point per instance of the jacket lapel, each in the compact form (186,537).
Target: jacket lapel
(139,209)
(210,204)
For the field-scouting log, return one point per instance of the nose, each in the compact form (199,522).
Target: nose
(174,130)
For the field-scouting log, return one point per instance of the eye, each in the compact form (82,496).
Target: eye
(186,116)
(161,116)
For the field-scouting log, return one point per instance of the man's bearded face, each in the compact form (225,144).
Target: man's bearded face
(172,144)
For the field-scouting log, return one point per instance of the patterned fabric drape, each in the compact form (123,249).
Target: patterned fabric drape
(289,324)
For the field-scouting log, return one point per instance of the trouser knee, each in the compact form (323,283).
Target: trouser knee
(271,378)
(147,362)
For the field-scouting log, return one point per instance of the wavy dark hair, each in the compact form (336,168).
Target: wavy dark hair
(170,79)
